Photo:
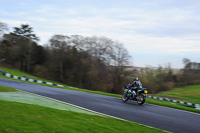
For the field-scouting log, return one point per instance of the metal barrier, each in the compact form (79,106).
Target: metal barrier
(192,105)
(31,80)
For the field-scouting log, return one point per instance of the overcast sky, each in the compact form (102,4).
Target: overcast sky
(155,32)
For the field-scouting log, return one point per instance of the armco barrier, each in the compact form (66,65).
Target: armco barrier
(3,71)
(196,106)
(31,80)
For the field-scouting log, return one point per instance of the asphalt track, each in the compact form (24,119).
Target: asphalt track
(168,119)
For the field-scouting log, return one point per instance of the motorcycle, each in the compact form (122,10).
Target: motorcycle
(136,94)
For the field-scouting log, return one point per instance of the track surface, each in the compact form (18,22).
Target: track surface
(156,116)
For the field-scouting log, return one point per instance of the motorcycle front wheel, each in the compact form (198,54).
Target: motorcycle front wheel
(124,97)
(140,99)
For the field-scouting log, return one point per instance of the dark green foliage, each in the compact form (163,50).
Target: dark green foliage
(21,52)
(26,31)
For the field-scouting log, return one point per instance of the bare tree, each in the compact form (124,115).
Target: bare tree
(186,61)
(120,59)
(3,28)
(59,45)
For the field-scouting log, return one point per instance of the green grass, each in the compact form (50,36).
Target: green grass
(20,117)
(23,97)
(186,93)
(6,89)
(22,74)
(151,101)
(18,73)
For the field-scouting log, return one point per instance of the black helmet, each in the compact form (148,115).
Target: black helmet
(135,78)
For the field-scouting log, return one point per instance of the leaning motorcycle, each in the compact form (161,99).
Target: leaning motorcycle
(138,94)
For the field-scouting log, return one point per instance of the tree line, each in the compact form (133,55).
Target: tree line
(164,79)
(94,63)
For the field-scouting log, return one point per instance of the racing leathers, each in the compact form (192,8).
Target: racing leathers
(136,84)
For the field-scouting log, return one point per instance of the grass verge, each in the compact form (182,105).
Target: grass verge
(22,74)
(20,117)
(6,89)
(186,93)
(23,97)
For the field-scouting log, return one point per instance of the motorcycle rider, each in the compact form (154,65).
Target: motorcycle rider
(136,84)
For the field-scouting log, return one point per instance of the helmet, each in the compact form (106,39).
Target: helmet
(135,78)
